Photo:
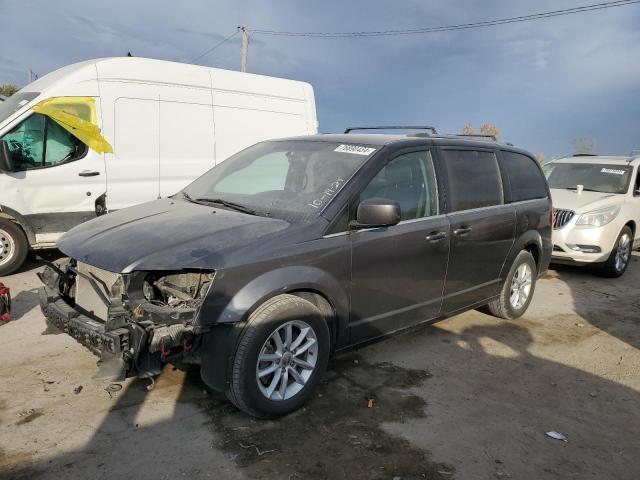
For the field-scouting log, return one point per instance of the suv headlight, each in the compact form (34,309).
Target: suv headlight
(599,218)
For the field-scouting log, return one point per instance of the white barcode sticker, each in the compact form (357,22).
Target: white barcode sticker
(355,149)
(612,170)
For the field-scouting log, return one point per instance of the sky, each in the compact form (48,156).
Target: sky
(542,83)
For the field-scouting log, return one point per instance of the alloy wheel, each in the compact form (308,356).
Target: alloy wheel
(623,251)
(287,360)
(521,286)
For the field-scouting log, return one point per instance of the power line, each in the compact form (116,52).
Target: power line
(446,28)
(207,52)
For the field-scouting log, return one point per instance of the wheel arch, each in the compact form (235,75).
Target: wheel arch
(632,225)
(530,241)
(226,325)
(10,214)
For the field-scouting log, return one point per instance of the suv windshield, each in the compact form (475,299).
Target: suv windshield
(289,179)
(12,104)
(595,177)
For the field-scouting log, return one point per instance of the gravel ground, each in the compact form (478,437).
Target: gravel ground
(469,397)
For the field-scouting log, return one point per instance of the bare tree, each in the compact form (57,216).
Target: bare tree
(8,89)
(490,129)
(584,146)
(468,129)
(540,158)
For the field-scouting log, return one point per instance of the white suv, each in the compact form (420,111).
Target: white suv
(596,203)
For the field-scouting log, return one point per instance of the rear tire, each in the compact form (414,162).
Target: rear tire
(13,247)
(278,332)
(620,256)
(517,290)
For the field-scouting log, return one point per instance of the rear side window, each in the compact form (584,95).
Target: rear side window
(474,179)
(525,178)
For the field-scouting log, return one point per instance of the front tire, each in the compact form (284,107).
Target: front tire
(518,288)
(620,256)
(13,247)
(280,357)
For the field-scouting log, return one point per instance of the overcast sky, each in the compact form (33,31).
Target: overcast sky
(542,83)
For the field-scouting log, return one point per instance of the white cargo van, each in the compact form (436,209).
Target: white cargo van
(158,125)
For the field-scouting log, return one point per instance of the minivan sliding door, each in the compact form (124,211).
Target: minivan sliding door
(481,226)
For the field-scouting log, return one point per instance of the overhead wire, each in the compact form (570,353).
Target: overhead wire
(445,28)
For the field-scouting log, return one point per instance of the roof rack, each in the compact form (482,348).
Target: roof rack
(480,136)
(395,127)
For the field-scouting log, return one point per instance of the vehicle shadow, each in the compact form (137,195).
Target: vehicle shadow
(492,400)
(610,304)
(468,392)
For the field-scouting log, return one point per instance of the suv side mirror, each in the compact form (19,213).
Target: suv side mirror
(6,164)
(377,212)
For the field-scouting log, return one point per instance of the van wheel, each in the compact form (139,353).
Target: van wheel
(280,357)
(517,291)
(13,247)
(618,260)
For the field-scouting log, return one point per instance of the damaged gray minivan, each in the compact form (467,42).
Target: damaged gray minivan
(295,249)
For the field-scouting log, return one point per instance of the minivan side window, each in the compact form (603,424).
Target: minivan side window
(474,179)
(408,179)
(525,178)
(39,142)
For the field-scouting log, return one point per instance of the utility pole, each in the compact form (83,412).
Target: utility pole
(245,47)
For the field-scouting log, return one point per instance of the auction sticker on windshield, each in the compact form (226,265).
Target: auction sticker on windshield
(611,170)
(355,149)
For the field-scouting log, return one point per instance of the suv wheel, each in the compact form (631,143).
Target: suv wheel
(13,247)
(517,291)
(280,357)
(618,260)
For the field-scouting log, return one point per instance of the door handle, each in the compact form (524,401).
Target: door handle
(462,231)
(88,173)
(435,236)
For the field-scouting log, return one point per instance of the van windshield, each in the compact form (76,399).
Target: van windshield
(289,179)
(594,177)
(14,103)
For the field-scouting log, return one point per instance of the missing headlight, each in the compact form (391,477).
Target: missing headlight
(177,290)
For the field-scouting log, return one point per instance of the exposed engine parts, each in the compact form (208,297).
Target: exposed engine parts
(150,314)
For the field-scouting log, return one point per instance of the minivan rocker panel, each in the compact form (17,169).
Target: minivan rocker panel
(295,249)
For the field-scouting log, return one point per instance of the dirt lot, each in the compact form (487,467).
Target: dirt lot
(467,398)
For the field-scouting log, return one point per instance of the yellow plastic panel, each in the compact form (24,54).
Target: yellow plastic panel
(77,115)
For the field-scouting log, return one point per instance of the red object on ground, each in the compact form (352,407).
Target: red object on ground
(5,303)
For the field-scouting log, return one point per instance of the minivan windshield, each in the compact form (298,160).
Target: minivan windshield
(594,177)
(16,101)
(288,179)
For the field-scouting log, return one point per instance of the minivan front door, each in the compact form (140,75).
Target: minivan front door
(482,228)
(398,272)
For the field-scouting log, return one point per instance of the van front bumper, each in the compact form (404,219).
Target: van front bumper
(87,331)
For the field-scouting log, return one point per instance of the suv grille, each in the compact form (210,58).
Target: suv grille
(561,217)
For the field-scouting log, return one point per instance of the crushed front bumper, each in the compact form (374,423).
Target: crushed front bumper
(85,330)
(128,341)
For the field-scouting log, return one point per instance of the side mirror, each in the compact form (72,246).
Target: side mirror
(377,212)
(6,164)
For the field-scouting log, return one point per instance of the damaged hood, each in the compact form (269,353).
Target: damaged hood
(584,202)
(169,235)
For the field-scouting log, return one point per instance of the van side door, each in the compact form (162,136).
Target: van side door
(398,272)
(482,226)
(131,122)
